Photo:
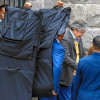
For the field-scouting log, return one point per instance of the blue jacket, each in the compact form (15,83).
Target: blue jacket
(87,83)
(53,22)
(58,58)
(58,53)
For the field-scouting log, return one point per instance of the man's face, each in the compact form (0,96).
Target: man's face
(78,34)
(2,13)
(60,37)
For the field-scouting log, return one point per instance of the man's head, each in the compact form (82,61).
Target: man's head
(60,37)
(96,44)
(78,28)
(2,12)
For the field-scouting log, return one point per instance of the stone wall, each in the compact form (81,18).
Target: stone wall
(88,10)
(1,2)
(38,4)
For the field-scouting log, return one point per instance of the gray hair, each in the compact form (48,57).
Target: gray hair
(79,25)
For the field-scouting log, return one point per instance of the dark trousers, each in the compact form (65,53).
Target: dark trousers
(67,92)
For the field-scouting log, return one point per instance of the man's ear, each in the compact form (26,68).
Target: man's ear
(92,46)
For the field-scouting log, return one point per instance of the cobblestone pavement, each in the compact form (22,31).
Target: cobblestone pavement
(34,98)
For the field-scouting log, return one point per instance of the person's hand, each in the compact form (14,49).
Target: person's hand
(27,5)
(55,94)
(59,4)
(2,13)
(2,16)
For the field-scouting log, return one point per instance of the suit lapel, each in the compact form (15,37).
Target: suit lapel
(80,48)
(71,40)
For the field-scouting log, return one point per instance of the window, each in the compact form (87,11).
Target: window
(14,3)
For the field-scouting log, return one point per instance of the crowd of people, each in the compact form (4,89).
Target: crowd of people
(75,74)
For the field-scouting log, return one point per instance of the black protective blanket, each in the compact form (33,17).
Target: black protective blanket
(19,40)
(53,22)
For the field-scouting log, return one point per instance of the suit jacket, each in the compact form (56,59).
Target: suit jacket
(69,64)
(87,83)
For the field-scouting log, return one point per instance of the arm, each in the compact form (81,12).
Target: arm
(78,79)
(58,53)
(82,49)
(68,60)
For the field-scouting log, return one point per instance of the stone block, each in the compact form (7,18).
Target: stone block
(82,1)
(80,11)
(49,3)
(36,4)
(72,17)
(93,15)
(1,2)
(89,35)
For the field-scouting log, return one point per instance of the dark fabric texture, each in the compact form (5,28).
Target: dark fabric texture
(54,20)
(70,64)
(20,33)
(19,40)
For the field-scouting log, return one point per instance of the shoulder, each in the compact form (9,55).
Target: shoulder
(67,38)
(86,59)
(80,39)
(58,48)
(67,35)
(57,45)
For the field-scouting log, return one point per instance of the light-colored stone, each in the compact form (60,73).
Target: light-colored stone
(82,1)
(35,98)
(1,2)
(80,11)
(36,4)
(72,17)
(78,1)
(89,35)
(93,15)
(49,3)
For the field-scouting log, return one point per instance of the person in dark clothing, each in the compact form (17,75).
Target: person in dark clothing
(58,53)
(72,43)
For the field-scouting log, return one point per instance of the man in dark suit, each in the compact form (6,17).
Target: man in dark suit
(87,82)
(72,43)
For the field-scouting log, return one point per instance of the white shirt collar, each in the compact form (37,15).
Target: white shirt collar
(73,36)
(0,20)
(58,41)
